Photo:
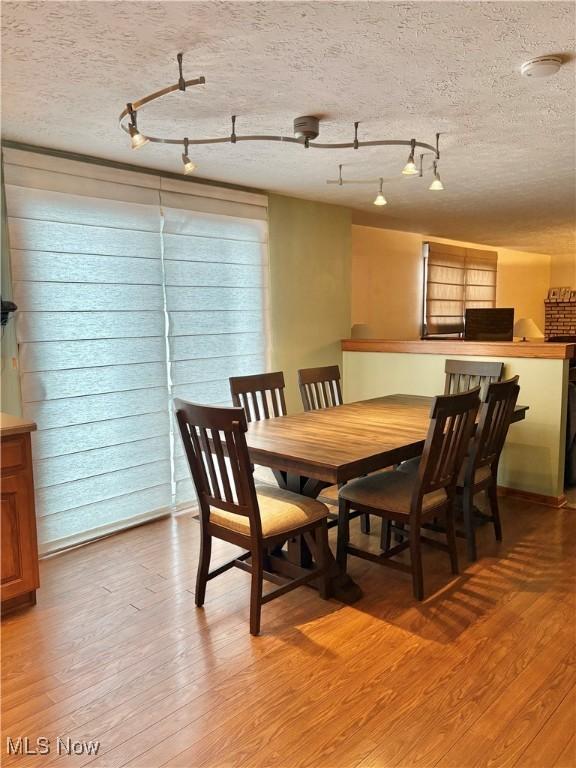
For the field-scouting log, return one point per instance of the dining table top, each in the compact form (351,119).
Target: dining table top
(337,444)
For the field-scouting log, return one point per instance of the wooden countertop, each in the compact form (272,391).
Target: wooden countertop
(534,349)
(14,425)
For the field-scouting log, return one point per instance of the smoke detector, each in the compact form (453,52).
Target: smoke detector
(541,66)
(307,127)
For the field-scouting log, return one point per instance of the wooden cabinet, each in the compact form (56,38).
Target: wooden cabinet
(19,564)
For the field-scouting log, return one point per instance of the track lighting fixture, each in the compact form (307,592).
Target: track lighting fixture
(410,167)
(436,185)
(380,199)
(306,132)
(189,166)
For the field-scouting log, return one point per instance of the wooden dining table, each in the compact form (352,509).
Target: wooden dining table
(308,452)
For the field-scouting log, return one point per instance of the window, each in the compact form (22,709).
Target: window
(130,289)
(455,279)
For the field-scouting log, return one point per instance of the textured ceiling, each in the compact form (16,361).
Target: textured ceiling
(402,69)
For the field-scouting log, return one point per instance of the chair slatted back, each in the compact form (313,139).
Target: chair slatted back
(452,421)
(215,444)
(495,417)
(261,396)
(320,387)
(462,375)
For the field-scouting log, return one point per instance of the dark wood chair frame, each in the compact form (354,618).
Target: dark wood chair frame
(495,416)
(462,375)
(320,388)
(452,423)
(261,395)
(215,444)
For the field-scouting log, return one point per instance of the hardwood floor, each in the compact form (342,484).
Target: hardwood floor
(480,674)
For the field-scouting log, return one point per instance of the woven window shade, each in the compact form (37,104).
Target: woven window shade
(456,279)
(131,289)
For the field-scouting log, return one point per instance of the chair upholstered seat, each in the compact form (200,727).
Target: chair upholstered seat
(390,491)
(482,473)
(280,512)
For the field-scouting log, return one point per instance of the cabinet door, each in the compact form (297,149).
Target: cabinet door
(19,569)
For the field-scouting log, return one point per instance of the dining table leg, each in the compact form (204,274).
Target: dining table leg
(342,586)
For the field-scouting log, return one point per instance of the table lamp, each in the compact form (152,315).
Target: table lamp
(360,331)
(526,328)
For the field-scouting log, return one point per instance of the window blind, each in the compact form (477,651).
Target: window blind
(216,268)
(129,290)
(455,279)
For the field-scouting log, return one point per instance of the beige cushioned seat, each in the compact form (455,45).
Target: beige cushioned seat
(280,511)
(390,491)
(482,473)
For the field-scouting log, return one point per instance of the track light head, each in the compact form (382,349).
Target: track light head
(189,166)
(410,167)
(380,199)
(436,185)
(137,140)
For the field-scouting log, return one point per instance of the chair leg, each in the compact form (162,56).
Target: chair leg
(451,538)
(256,590)
(203,568)
(492,494)
(343,534)
(399,533)
(323,562)
(385,535)
(416,558)
(468,510)
(365,523)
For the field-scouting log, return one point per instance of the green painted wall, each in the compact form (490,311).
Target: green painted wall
(310,246)
(10,381)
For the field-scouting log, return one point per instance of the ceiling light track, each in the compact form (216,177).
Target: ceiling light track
(306,130)
(435,186)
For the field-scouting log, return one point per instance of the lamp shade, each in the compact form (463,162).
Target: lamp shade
(527,328)
(361,331)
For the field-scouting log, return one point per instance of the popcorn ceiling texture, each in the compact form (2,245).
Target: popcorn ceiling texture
(402,69)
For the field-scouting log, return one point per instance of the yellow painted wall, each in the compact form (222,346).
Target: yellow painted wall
(387,281)
(309,246)
(563,271)
(533,458)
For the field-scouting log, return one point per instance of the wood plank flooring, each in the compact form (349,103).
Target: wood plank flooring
(481,674)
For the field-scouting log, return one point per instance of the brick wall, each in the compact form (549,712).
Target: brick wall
(560,318)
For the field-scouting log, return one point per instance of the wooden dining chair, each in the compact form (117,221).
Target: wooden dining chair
(462,375)
(230,509)
(261,395)
(412,498)
(320,387)
(479,471)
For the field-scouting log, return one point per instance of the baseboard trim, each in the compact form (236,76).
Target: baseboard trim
(536,498)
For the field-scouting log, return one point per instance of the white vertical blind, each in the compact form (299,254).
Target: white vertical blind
(124,298)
